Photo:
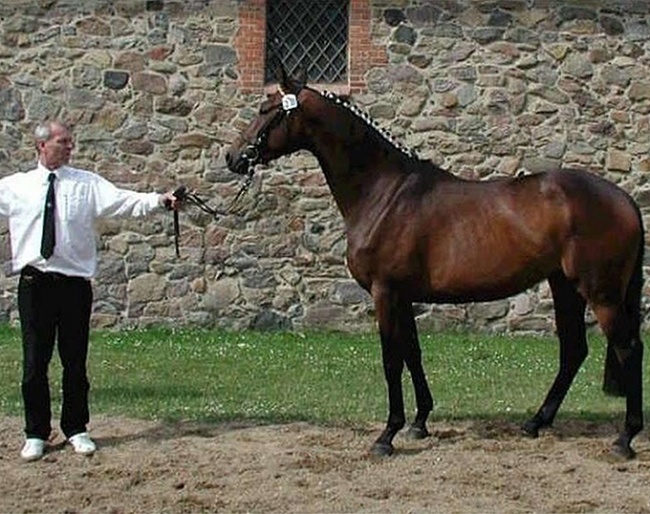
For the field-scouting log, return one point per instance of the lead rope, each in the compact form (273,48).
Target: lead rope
(191,197)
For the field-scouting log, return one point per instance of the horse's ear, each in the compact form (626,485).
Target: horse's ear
(300,80)
(282,76)
(291,84)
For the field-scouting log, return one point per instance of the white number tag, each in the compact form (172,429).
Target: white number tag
(289,102)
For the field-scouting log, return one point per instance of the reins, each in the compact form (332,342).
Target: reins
(251,155)
(185,196)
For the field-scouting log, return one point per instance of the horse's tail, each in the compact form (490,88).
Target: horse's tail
(613,383)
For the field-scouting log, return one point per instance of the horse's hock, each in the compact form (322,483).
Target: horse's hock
(158,90)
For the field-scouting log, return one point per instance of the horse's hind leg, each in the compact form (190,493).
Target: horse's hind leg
(621,327)
(570,324)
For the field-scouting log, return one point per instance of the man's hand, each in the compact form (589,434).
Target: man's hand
(170,202)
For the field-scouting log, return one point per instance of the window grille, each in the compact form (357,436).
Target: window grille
(307,34)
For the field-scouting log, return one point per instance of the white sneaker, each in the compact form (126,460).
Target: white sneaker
(33,449)
(83,444)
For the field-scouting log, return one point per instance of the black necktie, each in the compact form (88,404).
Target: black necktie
(47,243)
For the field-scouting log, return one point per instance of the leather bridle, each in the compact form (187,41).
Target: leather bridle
(252,153)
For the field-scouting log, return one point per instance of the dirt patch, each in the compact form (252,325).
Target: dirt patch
(148,467)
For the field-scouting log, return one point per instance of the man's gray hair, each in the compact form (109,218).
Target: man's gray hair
(43,130)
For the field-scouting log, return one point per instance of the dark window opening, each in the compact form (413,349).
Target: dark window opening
(308,34)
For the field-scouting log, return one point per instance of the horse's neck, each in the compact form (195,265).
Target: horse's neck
(356,176)
(360,166)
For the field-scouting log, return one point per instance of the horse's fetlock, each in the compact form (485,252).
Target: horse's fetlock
(396,426)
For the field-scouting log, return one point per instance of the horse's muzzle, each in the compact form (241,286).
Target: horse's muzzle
(243,161)
(237,162)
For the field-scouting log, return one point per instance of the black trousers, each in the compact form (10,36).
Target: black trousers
(53,307)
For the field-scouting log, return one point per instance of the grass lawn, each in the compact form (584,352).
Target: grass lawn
(323,377)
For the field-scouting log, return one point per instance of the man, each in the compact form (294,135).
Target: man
(51,211)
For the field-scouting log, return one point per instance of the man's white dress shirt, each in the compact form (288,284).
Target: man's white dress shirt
(81,197)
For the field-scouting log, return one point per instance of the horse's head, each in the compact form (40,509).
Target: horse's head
(269,135)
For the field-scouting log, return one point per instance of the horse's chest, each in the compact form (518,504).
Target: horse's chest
(387,259)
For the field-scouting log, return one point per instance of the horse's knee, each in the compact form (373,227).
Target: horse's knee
(613,376)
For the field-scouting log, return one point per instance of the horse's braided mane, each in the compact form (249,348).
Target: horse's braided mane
(365,117)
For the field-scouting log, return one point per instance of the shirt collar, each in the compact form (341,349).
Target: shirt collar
(45,172)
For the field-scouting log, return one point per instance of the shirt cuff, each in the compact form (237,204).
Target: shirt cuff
(154,201)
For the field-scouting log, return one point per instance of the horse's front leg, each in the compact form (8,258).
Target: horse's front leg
(413,360)
(387,311)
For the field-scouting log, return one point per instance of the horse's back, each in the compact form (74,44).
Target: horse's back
(580,204)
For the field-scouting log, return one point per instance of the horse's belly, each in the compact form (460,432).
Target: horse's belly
(480,293)
(485,281)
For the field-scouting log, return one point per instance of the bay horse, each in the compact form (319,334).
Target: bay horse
(417,233)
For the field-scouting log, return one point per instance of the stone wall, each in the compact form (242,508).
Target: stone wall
(483,88)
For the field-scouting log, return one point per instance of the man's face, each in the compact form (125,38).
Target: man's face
(56,151)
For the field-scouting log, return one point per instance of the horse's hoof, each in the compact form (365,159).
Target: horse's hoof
(622,451)
(530,429)
(382,450)
(416,433)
